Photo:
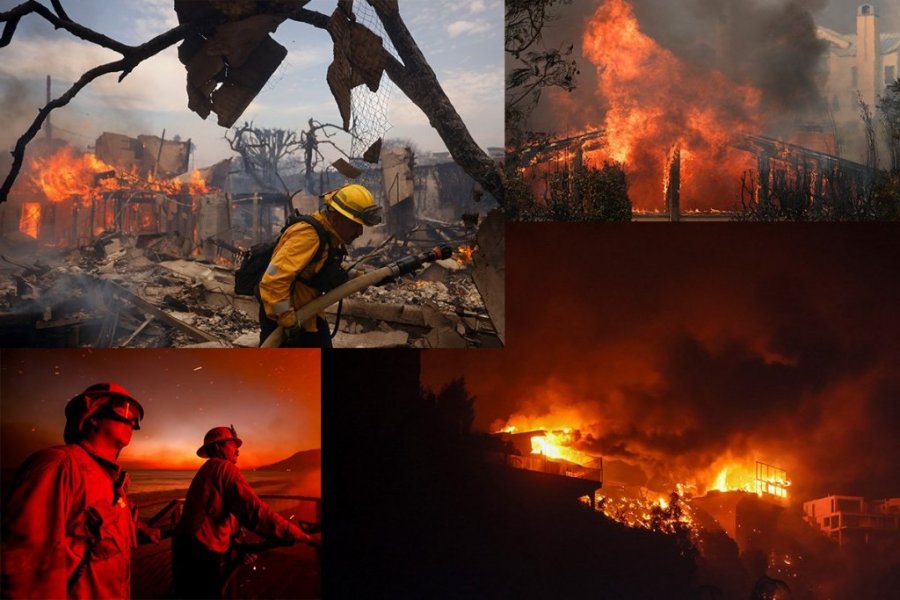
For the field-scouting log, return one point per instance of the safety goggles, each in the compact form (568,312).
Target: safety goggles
(124,410)
(369,216)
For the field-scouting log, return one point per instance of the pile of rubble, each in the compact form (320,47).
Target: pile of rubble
(132,292)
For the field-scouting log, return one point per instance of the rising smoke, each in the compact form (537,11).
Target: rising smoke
(769,44)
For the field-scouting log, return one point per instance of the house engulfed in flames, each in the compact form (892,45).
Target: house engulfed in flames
(135,186)
(743,503)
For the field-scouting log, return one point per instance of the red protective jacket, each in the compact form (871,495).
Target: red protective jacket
(67,532)
(220,501)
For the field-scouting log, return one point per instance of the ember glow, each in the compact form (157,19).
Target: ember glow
(29,222)
(656,103)
(463,254)
(659,513)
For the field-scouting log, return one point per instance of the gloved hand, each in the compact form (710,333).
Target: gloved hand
(301,537)
(292,332)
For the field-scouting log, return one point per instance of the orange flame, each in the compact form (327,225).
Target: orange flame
(558,444)
(64,175)
(30,220)
(464,254)
(197,183)
(738,476)
(657,102)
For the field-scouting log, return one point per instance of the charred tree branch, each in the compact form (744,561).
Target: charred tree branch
(132,57)
(303,15)
(417,80)
(60,11)
(60,21)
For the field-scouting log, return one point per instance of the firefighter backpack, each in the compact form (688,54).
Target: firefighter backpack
(255,260)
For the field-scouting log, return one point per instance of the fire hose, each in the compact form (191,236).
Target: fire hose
(396,269)
(246,553)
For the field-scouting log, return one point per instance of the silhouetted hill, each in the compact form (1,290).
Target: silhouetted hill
(299,461)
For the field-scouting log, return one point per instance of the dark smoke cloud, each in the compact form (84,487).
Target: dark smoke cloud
(677,346)
(770,44)
(18,106)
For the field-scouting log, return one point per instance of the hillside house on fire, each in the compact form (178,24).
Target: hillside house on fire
(859,64)
(853,519)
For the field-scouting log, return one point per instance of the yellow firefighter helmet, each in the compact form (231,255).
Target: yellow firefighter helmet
(356,203)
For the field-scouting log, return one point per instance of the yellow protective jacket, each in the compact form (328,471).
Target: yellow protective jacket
(68,528)
(280,295)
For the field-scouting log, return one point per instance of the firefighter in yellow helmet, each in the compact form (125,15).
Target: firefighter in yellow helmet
(303,268)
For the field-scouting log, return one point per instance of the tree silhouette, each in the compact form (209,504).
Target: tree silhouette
(263,150)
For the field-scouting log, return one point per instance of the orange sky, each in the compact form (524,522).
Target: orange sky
(271,397)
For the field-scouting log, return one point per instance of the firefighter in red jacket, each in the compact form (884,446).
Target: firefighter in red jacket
(68,529)
(218,503)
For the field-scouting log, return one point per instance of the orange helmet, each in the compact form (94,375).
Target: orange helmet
(217,435)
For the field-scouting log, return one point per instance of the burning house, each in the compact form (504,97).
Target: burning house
(130,186)
(710,129)
(537,451)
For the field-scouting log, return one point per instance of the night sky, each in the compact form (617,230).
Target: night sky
(672,348)
(272,397)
